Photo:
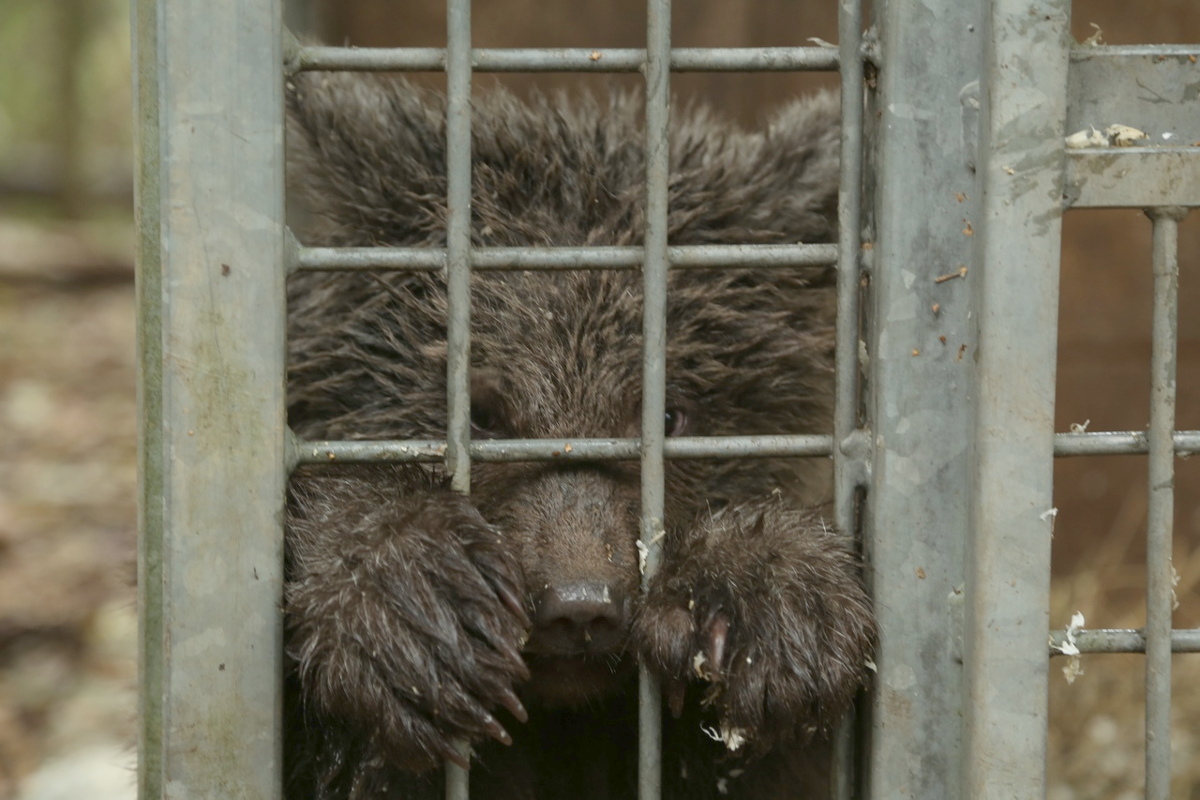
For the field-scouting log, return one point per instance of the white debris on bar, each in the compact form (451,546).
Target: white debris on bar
(1124,136)
(1074,667)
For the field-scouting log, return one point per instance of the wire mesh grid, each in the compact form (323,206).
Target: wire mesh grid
(1101,86)
(657,61)
(1162,443)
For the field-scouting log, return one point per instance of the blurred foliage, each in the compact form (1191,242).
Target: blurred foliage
(37,58)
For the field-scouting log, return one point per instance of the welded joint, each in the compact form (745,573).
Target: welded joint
(866,259)
(291,450)
(870,51)
(293,54)
(1176,213)
(291,252)
(857,451)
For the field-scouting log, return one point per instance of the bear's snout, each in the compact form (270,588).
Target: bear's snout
(579,617)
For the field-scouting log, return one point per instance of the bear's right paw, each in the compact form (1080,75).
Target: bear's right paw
(407,624)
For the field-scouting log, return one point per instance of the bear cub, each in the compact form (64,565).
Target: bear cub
(513,618)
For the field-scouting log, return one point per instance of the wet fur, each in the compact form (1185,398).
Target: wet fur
(408,606)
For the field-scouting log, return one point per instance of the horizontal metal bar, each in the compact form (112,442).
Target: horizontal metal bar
(368,59)
(530,258)
(1132,177)
(1123,640)
(432,450)
(578,59)
(1116,443)
(1149,87)
(1125,52)
(754,59)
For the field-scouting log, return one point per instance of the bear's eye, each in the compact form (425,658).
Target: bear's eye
(487,422)
(489,410)
(675,422)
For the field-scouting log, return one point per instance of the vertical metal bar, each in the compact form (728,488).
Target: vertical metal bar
(1159,570)
(848,453)
(209,94)
(1022,167)
(921,347)
(654,348)
(148,283)
(458,280)
(847,462)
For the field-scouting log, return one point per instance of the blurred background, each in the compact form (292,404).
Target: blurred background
(67,372)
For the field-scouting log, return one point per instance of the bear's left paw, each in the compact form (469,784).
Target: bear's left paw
(763,606)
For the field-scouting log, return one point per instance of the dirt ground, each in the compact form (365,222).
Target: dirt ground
(68,626)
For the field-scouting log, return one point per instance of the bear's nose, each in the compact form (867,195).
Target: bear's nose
(580,616)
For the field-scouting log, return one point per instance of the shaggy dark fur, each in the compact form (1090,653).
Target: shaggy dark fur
(416,615)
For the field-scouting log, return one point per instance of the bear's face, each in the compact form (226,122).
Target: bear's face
(558,356)
(416,615)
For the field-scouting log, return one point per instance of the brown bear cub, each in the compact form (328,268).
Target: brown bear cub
(513,618)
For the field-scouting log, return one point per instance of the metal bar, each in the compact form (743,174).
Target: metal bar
(1124,53)
(923,123)
(1149,87)
(686,59)
(1115,640)
(849,460)
(656,261)
(691,59)
(369,59)
(531,258)
(1160,594)
(375,452)
(1015,280)
(210,286)
(458,284)
(1119,443)
(1137,177)
(848,463)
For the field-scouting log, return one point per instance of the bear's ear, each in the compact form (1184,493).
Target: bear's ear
(801,150)
(774,185)
(366,157)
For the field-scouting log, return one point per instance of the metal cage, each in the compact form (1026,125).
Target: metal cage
(954,178)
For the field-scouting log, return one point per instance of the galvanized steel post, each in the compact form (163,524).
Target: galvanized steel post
(921,348)
(1022,163)
(654,355)
(209,106)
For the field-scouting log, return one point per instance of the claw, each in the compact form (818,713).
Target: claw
(675,693)
(513,704)
(718,633)
(496,730)
(508,651)
(512,603)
